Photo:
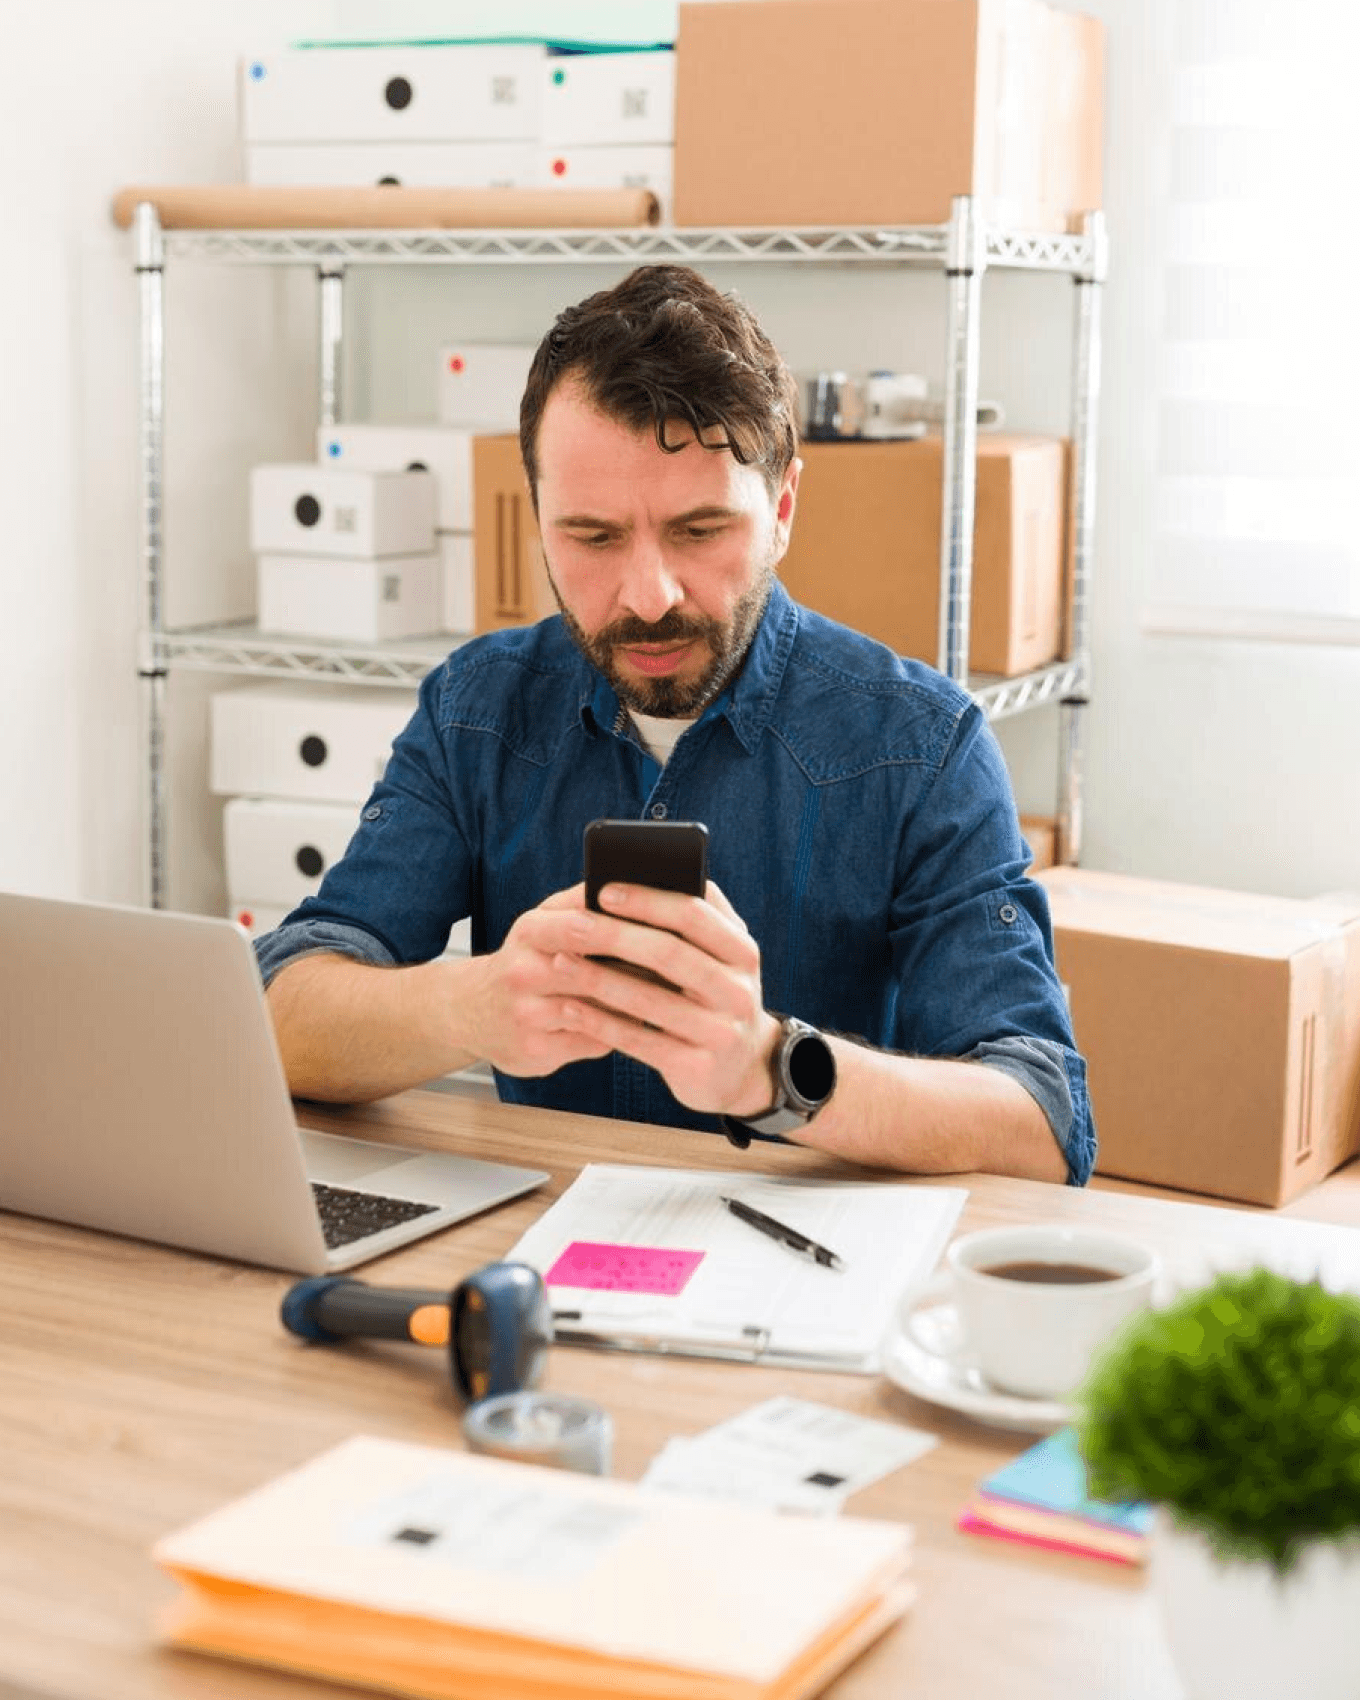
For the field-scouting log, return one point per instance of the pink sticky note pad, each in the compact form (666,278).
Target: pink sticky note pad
(624,1268)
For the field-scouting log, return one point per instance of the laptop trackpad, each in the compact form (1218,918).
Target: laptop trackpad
(344,1162)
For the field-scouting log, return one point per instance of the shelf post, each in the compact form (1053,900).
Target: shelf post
(1089,288)
(330,403)
(965,262)
(149,249)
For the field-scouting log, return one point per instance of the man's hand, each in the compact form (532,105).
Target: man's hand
(710,1038)
(516,1019)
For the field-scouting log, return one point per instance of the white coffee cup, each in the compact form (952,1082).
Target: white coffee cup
(1023,1317)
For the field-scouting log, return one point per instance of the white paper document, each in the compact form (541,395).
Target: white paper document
(789,1454)
(674,1271)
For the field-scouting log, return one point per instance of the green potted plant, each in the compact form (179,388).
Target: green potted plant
(1235,1413)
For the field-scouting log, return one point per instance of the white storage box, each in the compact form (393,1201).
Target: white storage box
(256,918)
(480,384)
(327,596)
(603,99)
(462,93)
(443,450)
(458,603)
(612,168)
(277,849)
(315,509)
(415,165)
(290,739)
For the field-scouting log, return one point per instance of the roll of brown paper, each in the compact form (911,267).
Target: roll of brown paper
(244,206)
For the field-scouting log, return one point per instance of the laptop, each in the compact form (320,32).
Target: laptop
(141,1093)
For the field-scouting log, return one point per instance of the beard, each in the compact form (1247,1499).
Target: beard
(669,699)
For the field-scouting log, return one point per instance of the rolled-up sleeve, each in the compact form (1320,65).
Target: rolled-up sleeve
(296,939)
(973,927)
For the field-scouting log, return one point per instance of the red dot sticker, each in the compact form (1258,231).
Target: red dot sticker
(559,167)
(456,363)
(246,919)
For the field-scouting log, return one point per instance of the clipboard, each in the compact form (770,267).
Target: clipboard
(745,1297)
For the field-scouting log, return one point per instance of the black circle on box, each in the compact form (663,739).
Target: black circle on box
(307,510)
(388,183)
(416,466)
(313,750)
(398,94)
(309,860)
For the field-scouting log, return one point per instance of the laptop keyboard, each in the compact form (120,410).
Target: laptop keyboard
(347,1216)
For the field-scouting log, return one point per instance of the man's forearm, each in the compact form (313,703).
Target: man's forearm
(349,1032)
(929,1115)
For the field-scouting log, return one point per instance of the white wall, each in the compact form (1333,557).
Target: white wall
(1219,762)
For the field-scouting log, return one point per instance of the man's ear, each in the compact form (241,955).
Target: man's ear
(786,500)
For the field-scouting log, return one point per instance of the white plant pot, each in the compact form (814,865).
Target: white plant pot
(1239,1632)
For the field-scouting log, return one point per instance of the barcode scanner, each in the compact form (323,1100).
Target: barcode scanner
(497,1323)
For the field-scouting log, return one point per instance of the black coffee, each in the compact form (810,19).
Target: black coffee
(1053,1274)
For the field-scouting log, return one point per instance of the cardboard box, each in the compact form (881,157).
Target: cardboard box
(277,849)
(445,451)
(1221,1030)
(327,596)
(465,92)
(480,384)
(290,739)
(458,583)
(318,509)
(866,544)
(513,588)
(612,168)
(417,165)
(609,99)
(860,112)
(1041,834)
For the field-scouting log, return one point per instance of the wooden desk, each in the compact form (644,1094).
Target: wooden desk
(141,1387)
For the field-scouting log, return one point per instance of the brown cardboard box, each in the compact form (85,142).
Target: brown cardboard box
(860,112)
(866,545)
(512,581)
(1041,834)
(1221,1030)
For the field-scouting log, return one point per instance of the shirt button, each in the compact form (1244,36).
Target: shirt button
(372,811)
(1008,913)
(658,811)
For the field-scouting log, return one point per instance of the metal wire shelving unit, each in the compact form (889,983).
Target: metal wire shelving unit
(964,249)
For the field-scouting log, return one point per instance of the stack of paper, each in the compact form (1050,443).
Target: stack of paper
(645,1259)
(1040,1498)
(444,1574)
(790,1454)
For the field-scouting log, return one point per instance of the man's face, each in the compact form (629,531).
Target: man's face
(661,563)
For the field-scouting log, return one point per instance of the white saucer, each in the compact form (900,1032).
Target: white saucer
(952,1381)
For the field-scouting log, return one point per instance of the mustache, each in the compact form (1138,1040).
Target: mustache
(672,627)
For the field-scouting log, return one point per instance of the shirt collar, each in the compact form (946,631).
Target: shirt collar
(748,702)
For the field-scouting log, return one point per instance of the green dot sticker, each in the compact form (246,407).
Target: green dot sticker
(559,77)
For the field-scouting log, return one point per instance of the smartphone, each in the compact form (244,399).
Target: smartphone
(670,855)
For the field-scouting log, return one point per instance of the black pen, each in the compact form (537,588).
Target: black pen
(790,1237)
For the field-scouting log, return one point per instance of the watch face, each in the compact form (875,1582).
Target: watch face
(811,1068)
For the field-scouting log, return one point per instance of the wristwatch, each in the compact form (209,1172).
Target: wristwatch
(804,1068)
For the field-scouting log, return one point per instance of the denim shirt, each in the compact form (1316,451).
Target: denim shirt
(860,821)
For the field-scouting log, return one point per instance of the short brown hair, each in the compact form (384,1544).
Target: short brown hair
(665,346)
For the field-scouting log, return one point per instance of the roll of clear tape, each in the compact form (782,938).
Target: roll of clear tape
(542,1428)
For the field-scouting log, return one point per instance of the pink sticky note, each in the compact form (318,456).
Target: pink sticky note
(624,1268)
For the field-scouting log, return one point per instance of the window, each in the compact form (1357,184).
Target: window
(1257,523)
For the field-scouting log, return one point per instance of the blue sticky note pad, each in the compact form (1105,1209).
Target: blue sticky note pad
(1052,1477)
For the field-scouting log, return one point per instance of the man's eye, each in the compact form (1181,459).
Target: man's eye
(701,533)
(593,539)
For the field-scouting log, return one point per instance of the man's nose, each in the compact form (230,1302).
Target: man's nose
(649,587)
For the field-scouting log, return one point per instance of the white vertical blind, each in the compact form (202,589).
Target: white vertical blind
(1257,524)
